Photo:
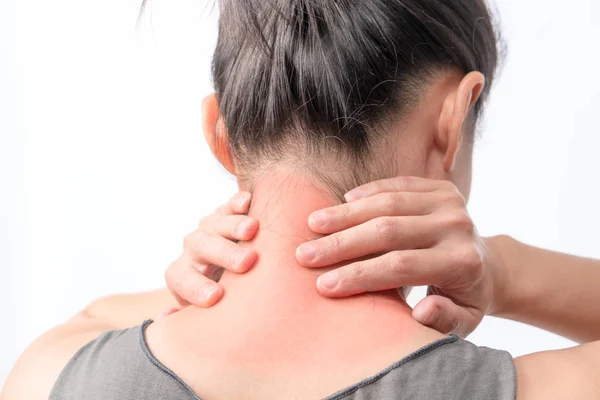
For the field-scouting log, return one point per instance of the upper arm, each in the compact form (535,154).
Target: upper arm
(38,368)
(562,374)
(40,365)
(127,310)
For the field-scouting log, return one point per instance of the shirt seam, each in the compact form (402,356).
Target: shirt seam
(336,396)
(156,362)
(412,356)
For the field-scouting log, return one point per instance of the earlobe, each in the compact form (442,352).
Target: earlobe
(215,132)
(455,111)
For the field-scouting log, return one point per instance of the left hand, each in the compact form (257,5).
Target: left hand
(193,277)
(415,232)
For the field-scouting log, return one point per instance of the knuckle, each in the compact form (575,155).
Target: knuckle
(453,198)
(376,186)
(335,242)
(410,263)
(471,258)
(389,201)
(449,186)
(385,229)
(345,210)
(357,273)
(401,261)
(407,181)
(460,221)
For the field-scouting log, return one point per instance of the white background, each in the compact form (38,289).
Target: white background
(103,168)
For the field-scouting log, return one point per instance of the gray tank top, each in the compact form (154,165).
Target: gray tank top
(118,365)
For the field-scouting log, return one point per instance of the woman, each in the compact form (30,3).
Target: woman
(298,135)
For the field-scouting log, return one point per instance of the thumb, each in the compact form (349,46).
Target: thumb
(443,315)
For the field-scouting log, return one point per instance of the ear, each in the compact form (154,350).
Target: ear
(455,111)
(215,132)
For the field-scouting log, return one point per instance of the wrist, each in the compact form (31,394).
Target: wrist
(501,253)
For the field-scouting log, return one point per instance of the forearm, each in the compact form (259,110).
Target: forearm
(128,310)
(550,290)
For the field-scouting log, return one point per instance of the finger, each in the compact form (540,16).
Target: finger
(190,287)
(388,271)
(213,249)
(205,269)
(397,184)
(443,315)
(238,204)
(381,234)
(344,216)
(234,227)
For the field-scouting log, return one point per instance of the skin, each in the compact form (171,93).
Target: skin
(272,324)
(491,280)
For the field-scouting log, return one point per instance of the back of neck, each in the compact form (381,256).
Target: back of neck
(283,294)
(273,331)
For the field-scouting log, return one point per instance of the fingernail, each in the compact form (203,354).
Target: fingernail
(306,252)
(318,218)
(208,290)
(244,227)
(238,258)
(353,195)
(328,281)
(242,198)
(421,315)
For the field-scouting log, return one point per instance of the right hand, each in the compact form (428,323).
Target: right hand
(209,250)
(415,232)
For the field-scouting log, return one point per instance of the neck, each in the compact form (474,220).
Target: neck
(282,203)
(273,321)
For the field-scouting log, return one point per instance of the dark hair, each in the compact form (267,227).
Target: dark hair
(296,71)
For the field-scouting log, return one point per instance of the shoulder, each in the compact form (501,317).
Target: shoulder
(36,371)
(560,374)
(449,369)
(118,365)
(474,371)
